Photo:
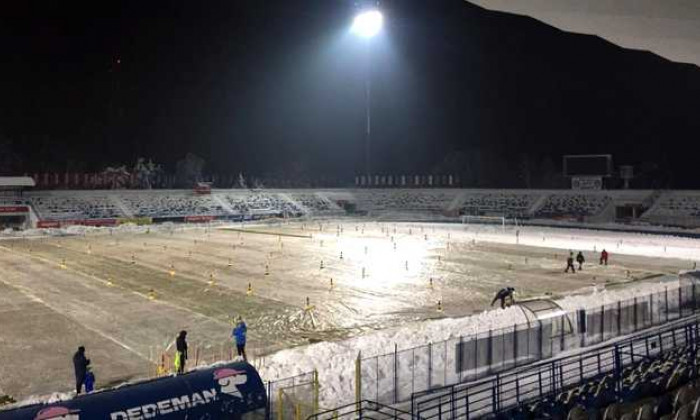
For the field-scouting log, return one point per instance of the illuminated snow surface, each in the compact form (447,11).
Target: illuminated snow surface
(89,301)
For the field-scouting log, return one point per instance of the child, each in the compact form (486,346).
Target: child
(89,380)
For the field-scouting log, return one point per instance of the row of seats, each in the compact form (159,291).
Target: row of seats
(379,200)
(665,388)
(75,207)
(508,204)
(676,205)
(57,206)
(258,202)
(313,202)
(173,204)
(573,205)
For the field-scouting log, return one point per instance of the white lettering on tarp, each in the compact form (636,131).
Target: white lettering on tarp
(149,411)
(182,403)
(134,413)
(197,400)
(164,407)
(209,396)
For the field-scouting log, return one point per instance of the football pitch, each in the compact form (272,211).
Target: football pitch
(125,293)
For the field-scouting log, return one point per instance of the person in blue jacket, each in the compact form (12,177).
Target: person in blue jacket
(238,334)
(89,380)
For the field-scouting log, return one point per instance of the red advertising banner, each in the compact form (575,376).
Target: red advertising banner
(97,222)
(14,209)
(42,224)
(197,219)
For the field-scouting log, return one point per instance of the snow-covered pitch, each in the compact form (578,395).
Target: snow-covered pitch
(313,292)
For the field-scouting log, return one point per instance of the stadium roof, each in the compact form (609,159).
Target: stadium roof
(16,181)
(670,28)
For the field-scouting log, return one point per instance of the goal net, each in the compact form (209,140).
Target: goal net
(489,220)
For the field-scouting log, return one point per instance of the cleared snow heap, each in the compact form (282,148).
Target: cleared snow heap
(335,361)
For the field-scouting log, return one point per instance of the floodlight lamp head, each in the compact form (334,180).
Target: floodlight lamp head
(368,23)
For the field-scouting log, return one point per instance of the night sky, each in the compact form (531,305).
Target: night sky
(276,88)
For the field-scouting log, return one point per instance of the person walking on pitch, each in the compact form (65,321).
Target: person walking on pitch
(570,263)
(580,260)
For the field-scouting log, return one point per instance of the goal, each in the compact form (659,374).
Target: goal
(489,220)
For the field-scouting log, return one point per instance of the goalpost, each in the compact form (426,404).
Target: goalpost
(489,220)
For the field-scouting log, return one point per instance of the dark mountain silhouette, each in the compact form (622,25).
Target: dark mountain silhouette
(278,88)
(511,85)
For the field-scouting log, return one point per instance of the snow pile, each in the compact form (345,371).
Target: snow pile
(42,399)
(335,361)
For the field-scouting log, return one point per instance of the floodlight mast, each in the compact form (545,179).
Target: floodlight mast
(368,24)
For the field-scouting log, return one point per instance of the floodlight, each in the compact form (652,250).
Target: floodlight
(367,24)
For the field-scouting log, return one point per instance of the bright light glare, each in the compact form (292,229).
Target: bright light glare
(367,24)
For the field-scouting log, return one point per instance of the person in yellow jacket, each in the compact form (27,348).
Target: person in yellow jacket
(181,352)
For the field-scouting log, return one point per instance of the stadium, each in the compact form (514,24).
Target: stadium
(379,209)
(322,288)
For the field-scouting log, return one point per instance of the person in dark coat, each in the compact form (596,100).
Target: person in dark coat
(502,295)
(580,260)
(570,263)
(604,257)
(80,363)
(181,352)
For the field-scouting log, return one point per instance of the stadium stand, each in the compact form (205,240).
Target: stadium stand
(573,204)
(259,203)
(649,376)
(677,208)
(501,203)
(405,200)
(74,206)
(171,204)
(680,208)
(314,203)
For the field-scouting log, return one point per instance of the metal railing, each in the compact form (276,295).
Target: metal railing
(394,377)
(508,390)
(295,397)
(364,409)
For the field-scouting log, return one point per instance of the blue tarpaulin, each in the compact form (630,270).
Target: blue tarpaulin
(223,392)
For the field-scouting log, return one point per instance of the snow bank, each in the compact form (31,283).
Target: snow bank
(335,361)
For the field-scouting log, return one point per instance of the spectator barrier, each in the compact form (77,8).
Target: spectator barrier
(392,378)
